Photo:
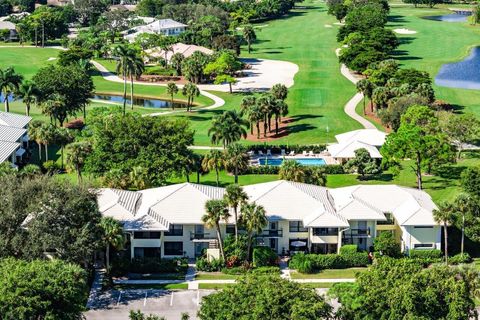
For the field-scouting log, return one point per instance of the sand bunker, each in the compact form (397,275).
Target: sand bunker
(404,31)
(51,58)
(328,26)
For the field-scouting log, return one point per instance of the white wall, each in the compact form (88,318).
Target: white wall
(412,236)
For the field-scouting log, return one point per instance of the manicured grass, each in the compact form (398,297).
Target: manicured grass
(216,276)
(434,44)
(329,274)
(171,286)
(26,60)
(319,285)
(161,276)
(214,286)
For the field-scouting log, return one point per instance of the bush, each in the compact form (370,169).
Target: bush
(262,170)
(386,244)
(122,265)
(234,270)
(310,263)
(51,166)
(264,256)
(460,258)
(266,270)
(349,248)
(429,254)
(356,259)
(333,169)
(203,264)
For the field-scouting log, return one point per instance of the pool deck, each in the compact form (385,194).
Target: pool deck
(327,158)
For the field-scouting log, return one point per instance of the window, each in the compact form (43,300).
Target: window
(296,226)
(230,229)
(173,248)
(423,227)
(422,245)
(146,235)
(325,231)
(175,230)
(140,252)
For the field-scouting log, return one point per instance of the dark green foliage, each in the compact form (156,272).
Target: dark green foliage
(460,258)
(41,289)
(264,297)
(48,22)
(431,254)
(203,264)
(5,7)
(471,181)
(407,291)
(310,263)
(297,148)
(363,163)
(264,256)
(149,8)
(267,270)
(157,144)
(386,244)
(348,248)
(122,265)
(363,19)
(74,55)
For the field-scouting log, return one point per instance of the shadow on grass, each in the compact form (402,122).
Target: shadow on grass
(384,177)
(396,19)
(450,172)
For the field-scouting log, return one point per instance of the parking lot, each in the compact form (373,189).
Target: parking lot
(116,304)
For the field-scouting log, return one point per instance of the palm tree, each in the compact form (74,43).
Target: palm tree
(172,90)
(235,196)
(215,211)
(34,133)
(249,36)
(139,178)
(77,153)
(9,82)
(291,170)
(62,138)
(190,91)
(135,70)
(253,218)
(267,104)
(112,236)
(47,135)
(213,160)
(236,159)
(444,216)
(380,97)
(28,92)
(279,91)
(255,116)
(123,68)
(462,205)
(247,103)
(227,128)
(366,87)
(166,44)
(176,62)
(280,108)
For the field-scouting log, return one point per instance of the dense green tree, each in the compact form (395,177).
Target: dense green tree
(149,8)
(124,142)
(386,244)
(363,163)
(397,106)
(88,11)
(363,19)
(73,55)
(193,66)
(70,86)
(461,129)
(45,23)
(216,211)
(41,289)
(251,298)
(471,181)
(176,62)
(77,154)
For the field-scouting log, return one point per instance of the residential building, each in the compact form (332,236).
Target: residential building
(167,27)
(167,221)
(7,25)
(186,50)
(13,137)
(348,142)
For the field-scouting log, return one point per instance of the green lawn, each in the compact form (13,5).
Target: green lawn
(214,286)
(329,274)
(216,276)
(27,61)
(319,285)
(434,44)
(171,286)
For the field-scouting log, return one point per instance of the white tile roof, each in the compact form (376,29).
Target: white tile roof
(347,149)
(11,134)
(185,49)
(14,120)
(6,149)
(163,24)
(373,137)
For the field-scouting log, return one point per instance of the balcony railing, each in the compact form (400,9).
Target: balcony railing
(357,233)
(271,233)
(388,222)
(202,236)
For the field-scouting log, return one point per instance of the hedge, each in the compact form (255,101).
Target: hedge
(264,256)
(429,254)
(121,266)
(460,258)
(310,263)
(348,248)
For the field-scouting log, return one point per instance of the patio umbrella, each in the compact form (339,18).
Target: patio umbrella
(298,243)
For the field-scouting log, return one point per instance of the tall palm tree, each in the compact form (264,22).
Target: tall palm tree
(253,218)
(444,216)
(247,103)
(215,211)
(279,91)
(380,97)
(172,90)
(9,82)
(463,204)
(249,35)
(235,196)
(47,135)
(28,92)
(135,70)
(77,153)
(190,91)
(255,116)
(34,133)
(112,236)
(366,87)
(280,108)
(236,159)
(227,128)
(267,104)
(124,65)
(63,137)
(291,170)
(176,62)
(214,160)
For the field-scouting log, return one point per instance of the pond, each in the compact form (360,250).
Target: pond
(463,74)
(453,17)
(142,102)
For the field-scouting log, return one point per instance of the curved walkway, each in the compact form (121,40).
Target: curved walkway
(355,100)
(110,76)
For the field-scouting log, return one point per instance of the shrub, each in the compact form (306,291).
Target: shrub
(356,259)
(122,265)
(309,263)
(51,166)
(349,248)
(235,270)
(264,256)
(460,258)
(262,170)
(334,169)
(386,244)
(203,264)
(430,254)
(266,270)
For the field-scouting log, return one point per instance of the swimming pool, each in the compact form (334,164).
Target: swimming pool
(302,161)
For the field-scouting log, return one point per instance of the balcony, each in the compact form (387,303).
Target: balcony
(357,233)
(202,236)
(271,233)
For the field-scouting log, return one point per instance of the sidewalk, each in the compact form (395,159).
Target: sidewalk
(96,287)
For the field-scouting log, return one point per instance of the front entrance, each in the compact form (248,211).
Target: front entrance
(274,244)
(200,248)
